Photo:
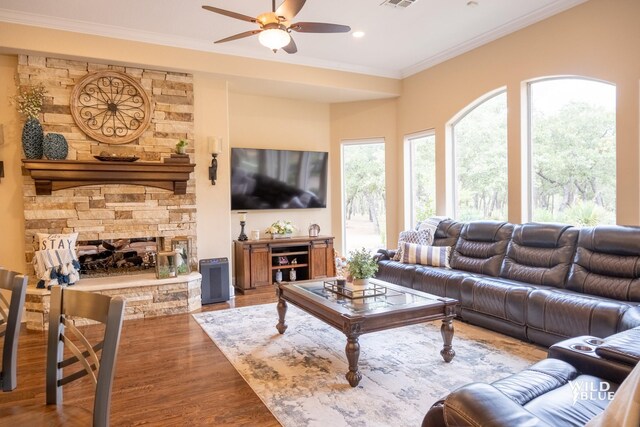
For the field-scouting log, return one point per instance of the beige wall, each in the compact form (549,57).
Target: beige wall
(365,120)
(598,39)
(213,204)
(11,204)
(284,124)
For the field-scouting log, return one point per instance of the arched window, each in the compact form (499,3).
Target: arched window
(573,151)
(479,140)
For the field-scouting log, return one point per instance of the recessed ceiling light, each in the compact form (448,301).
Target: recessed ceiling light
(358,34)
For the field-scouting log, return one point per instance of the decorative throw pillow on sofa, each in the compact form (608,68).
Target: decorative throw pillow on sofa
(434,256)
(422,237)
(48,242)
(431,224)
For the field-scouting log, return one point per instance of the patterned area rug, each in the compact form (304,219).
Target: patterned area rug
(300,375)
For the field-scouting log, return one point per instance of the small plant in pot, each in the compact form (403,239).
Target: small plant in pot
(181,146)
(362,266)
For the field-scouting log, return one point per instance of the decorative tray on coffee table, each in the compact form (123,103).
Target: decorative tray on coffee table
(351,292)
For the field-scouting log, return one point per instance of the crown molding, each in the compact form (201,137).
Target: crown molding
(489,36)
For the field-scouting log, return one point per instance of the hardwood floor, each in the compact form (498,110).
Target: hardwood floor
(168,373)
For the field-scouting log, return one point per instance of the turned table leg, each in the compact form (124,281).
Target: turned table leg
(446,330)
(353,354)
(282,311)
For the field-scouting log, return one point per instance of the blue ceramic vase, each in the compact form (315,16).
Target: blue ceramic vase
(55,146)
(32,139)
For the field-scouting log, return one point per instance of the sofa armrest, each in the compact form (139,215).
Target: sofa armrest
(622,347)
(384,254)
(479,405)
(582,353)
(630,319)
(435,415)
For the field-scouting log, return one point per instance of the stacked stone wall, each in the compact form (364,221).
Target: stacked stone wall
(111,211)
(148,298)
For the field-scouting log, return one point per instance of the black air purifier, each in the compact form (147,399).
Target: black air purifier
(215,280)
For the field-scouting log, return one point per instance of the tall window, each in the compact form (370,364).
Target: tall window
(480,161)
(573,151)
(363,189)
(420,178)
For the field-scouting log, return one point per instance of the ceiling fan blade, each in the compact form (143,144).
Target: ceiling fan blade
(291,47)
(230,14)
(290,8)
(319,27)
(239,36)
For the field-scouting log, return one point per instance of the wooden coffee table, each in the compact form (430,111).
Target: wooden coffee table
(399,306)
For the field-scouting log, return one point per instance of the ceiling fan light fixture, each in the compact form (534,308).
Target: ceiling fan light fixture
(274,38)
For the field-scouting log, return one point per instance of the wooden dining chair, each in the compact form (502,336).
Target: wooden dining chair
(68,306)
(13,287)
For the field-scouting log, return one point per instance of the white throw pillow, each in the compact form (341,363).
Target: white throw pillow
(434,256)
(55,242)
(422,237)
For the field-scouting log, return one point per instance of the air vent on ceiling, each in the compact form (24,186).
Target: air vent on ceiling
(398,3)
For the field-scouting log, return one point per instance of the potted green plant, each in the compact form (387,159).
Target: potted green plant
(362,266)
(181,146)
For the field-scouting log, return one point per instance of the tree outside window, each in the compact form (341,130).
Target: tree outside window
(480,161)
(573,151)
(422,177)
(364,195)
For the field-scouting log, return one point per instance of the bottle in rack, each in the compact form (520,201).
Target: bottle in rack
(292,275)
(278,276)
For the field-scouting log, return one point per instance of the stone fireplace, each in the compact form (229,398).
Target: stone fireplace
(115,211)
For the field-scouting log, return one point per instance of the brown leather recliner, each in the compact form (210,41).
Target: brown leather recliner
(538,257)
(568,389)
(601,294)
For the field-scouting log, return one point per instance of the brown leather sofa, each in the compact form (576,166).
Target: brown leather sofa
(575,383)
(539,282)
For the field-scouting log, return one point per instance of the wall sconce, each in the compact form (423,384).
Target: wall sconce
(215,148)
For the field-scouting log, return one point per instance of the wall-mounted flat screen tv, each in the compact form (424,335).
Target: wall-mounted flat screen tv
(278,179)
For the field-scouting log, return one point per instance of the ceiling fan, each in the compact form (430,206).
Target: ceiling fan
(276,26)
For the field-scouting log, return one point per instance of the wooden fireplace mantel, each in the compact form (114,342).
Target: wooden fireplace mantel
(50,175)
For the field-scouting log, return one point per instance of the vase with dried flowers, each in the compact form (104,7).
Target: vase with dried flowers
(29,102)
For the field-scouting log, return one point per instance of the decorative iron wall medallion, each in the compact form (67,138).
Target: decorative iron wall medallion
(110,107)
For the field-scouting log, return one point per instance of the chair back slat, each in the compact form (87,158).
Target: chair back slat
(10,281)
(70,327)
(72,377)
(66,303)
(83,361)
(4,307)
(87,305)
(73,359)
